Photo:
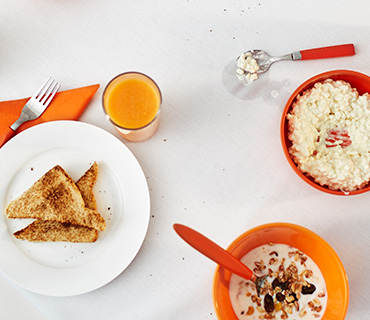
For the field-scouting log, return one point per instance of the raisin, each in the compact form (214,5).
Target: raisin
(309,289)
(268,303)
(280,297)
(276,283)
(284,285)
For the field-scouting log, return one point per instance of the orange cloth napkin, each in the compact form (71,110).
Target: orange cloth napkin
(66,105)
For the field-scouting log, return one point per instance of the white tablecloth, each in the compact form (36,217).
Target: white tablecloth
(216,163)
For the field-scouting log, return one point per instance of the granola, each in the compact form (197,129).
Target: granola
(294,288)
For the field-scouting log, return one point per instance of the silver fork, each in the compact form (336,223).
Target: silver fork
(34,107)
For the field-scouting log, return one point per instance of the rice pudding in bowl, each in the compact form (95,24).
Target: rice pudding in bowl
(325,132)
(321,271)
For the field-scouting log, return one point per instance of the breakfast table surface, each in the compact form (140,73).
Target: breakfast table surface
(216,162)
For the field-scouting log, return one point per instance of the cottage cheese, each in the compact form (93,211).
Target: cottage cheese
(295,284)
(329,127)
(247,67)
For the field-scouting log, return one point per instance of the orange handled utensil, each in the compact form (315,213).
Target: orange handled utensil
(342,50)
(252,63)
(217,254)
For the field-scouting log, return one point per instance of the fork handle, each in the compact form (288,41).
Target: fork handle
(343,50)
(8,134)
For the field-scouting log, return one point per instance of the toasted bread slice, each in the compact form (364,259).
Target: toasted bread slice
(55,197)
(86,184)
(43,230)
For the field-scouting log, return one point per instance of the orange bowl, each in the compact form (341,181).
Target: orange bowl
(357,80)
(301,238)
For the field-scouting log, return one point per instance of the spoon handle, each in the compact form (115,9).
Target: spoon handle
(213,251)
(343,50)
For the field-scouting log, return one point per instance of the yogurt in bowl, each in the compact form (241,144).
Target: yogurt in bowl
(294,287)
(296,244)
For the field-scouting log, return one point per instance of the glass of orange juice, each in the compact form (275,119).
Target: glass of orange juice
(132,102)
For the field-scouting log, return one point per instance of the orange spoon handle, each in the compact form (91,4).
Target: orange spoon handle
(342,50)
(213,251)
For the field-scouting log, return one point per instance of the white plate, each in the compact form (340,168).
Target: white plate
(122,196)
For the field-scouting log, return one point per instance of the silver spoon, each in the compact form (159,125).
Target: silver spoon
(254,62)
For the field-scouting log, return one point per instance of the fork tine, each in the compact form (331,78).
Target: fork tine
(43,97)
(42,89)
(52,94)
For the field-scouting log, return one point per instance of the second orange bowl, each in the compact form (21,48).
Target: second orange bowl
(357,80)
(301,238)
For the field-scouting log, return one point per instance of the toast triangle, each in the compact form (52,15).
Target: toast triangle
(86,184)
(55,197)
(44,230)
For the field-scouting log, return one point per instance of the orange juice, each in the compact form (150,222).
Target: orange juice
(132,103)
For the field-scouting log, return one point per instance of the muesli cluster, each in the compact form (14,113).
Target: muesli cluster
(329,128)
(294,287)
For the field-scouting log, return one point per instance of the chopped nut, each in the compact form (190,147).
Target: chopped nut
(260,310)
(256,300)
(296,287)
(289,310)
(321,295)
(308,274)
(263,291)
(303,260)
(281,275)
(273,261)
(302,313)
(316,302)
(292,268)
(296,305)
(284,315)
(260,265)
(250,310)
(317,308)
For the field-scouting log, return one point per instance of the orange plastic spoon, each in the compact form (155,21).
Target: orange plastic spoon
(219,255)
